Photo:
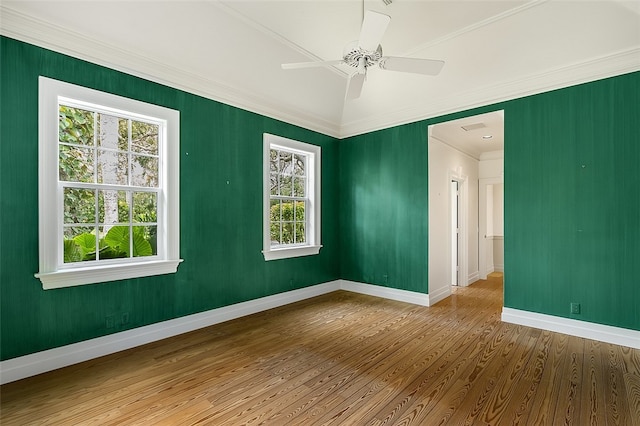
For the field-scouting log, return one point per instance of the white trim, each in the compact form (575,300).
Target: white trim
(473,277)
(52,273)
(386,292)
(610,65)
(314,196)
(51,359)
(438,295)
(463,218)
(573,327)
(44,34)
(483,268)
(80,276)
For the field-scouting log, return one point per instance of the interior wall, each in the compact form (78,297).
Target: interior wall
(572,204)
(443,162)
(384,208)
(221,205)
(571,207)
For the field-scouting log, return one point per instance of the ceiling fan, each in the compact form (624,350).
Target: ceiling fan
(367,51)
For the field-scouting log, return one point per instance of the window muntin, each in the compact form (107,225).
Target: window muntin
(109,168)
(292,198)
(109,186)
(288,201)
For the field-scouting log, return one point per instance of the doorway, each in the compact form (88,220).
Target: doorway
(455,225)
(461,152)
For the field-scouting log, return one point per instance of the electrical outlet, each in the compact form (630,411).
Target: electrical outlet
(125,318)
(575,308)
(386,279)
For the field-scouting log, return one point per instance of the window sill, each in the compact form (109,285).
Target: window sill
(285,253)
(99,274)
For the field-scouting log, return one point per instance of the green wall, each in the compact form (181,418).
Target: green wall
(572,202)
(384,207)
(221,224)
(572,233)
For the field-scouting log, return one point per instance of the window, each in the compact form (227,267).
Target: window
(291,198)
(108,187)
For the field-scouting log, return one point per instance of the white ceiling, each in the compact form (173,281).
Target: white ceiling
(473,135)
(231,51)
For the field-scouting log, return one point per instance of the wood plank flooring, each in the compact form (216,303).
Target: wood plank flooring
(347,359)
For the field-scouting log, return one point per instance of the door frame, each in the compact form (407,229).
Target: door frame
(482,223)
(463,237)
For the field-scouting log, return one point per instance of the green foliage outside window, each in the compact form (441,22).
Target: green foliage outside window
(287,226)
(100,149)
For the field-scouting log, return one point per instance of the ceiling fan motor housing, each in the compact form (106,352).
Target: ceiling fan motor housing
(353,53)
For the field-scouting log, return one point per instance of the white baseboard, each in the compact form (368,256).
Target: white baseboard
(498,268)
(52,359)
(40,362)
(416,298)
(439,294)
(572,327)
(472,278)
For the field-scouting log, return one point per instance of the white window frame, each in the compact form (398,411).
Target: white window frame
(53,272)
(312,212)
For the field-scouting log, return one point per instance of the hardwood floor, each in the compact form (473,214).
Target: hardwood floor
(347,358)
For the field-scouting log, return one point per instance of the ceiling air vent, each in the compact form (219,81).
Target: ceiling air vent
(474,126)
(387,2)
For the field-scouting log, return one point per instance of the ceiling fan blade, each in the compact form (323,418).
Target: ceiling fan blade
(354,86)
(298,65)
(413,65)
(373,28)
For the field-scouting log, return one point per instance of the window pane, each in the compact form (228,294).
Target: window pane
(299,186)
(79,205)
(123,134)
(144,171)
(287,211)
(275,233)
(144,241)
(75,126)
(79,244)
(286,162)
(287,233)
(300,233)
(286,186)
(144,137)
(274,221)
(112,167)
(274,184)
(300,162)
(113,207)
(76,164)
(109,131)
(115,242)
(145,207)
(273,161)
(300,210)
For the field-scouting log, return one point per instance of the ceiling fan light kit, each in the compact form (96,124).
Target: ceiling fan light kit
(367,51)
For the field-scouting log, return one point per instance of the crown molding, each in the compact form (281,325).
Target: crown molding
(53,37)
(617,63)
(50,36)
